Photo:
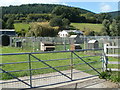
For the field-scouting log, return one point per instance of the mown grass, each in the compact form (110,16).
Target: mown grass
(48,56)
(88,26)
(35,65)
(80,26)
(19,26)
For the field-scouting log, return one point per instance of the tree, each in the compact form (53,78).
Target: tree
(9,23)
(100,17)
(65,23)
(114,28)
(70,13)
(118,25)
(106,27)
(58,21)
(41,30)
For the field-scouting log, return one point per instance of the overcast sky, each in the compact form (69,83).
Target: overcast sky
(96,6)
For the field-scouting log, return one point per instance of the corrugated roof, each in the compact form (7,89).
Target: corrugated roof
(92,41)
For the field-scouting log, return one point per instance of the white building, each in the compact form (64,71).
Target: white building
(65,33)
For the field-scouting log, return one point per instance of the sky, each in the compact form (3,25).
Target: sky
(96,6)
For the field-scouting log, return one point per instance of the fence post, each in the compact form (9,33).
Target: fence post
(71,65)
(105,58)
(30,71)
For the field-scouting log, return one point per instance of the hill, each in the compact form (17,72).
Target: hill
(114,14)
(35,8)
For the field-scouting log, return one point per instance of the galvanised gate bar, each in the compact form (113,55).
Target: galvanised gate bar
(40,69)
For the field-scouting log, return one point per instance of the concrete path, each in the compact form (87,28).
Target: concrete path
(48,79)
(93,82)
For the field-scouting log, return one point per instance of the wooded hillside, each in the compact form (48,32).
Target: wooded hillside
(34,8)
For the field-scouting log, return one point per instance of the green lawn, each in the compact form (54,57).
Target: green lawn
(35,65)
(88,26)
(48,56)
(20,26)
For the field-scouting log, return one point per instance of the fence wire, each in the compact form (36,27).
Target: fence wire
(34,44)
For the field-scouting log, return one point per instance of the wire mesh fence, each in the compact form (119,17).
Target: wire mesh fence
(34,44)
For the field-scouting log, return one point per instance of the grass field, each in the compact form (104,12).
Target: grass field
(20,26)
(80,26)
(48,56)
(35,65)
(88,26)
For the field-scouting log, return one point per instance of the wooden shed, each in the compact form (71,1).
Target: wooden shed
(47,46)
(92,44)
(76,39)
(75,46)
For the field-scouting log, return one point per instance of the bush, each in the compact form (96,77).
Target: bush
(42,30)
(110,75)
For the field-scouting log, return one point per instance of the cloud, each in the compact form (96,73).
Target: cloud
(105,7)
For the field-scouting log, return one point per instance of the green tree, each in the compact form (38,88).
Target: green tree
(65,23)
(72,14)
(56,21)
(62,23)
(106,27)
(43,31)
(114,28)
(9,23)
(118,24)
(100,17)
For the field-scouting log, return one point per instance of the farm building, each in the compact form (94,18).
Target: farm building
(76,39)
(47,46)
(4,40)
(9,32)
(75,46)
(92,44)
(65,33)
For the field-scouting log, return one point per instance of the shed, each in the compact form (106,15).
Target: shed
(92,44)
(75,46)
(4,40)
(18,43)
(76,39)
(47,46)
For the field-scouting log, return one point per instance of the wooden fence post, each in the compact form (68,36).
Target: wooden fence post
(105,58)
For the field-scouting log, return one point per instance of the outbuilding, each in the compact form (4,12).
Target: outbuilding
(47,46)
(92,44)
(4,40)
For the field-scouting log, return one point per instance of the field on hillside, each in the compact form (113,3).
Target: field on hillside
(87,26)
(80,26)
(19,26)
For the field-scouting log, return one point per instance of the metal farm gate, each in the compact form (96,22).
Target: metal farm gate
(41,69)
